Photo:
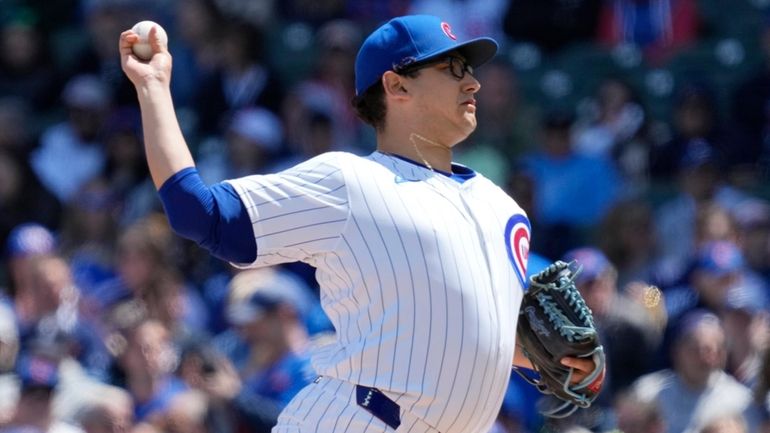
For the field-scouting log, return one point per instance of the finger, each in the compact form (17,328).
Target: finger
(583,365)
(157,45)
(127,39)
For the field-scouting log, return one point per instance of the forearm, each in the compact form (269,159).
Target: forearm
(165,147)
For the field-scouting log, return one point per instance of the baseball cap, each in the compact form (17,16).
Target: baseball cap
(266,289)
(30,239)
(594,263)
(719,258)
(697,153)
(412,39)
(693,320)
(86,91)
(260,126)
(37,372)
(252,309)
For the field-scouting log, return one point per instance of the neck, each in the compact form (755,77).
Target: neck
(411,145)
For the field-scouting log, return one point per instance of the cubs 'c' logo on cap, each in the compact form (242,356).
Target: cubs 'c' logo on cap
(448,31)
(517,244)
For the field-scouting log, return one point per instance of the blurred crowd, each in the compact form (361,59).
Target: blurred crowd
(633,132)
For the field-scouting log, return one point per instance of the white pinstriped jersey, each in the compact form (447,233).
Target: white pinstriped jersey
(421,276)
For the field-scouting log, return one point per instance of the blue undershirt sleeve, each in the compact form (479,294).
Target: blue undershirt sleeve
(214,217)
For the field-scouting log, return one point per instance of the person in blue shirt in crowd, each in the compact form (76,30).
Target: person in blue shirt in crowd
(572,192)
(271,322)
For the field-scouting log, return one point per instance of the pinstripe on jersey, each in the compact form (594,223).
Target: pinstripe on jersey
(414,272)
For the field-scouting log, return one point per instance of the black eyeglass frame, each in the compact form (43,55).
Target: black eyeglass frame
(457,67)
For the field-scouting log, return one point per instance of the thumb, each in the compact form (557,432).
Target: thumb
(158,40)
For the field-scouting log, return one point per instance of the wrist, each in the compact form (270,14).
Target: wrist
(152,87)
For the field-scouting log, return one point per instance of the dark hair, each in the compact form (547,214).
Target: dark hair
(370,105)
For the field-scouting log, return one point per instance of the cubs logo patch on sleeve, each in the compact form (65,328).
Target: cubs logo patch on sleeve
(517,244)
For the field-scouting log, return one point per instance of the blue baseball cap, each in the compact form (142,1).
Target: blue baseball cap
(30,239)
(693,320)
(413,39)
(254,308)
(719,258)
(37,372)
(266,291)
(594,263)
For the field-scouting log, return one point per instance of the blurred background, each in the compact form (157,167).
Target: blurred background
(635,133)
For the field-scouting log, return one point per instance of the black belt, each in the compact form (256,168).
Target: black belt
(379,405)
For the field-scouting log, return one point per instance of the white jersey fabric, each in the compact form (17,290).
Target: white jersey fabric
(421,276)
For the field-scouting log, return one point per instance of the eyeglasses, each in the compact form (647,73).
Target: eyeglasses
(457,67)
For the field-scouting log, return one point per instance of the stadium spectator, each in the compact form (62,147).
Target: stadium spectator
(149,280)
(626,235)
(145,363)
(26,242)
(231,407)
(699,185)
(718,266)
(197,25)
(752,219)
(271,322)
(325,92)
(614,126)
(241,79)
(747,326)
(696,125)
(109,410)
(572,192)
(125,170)
(26,63)
(635,415)
(17,180)
(38,379)
(87,237)
(76,141)
(696,390)
(252,141)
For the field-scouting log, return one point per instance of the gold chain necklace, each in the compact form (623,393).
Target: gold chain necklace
(417,149)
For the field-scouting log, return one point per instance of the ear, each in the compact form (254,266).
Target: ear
(394,85)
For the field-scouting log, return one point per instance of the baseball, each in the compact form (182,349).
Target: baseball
(142,48)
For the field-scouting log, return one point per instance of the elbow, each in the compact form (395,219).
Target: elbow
(185,228)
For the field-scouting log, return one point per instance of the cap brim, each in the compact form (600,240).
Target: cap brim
(476,51)
(242,314)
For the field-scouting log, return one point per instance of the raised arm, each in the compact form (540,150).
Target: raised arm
(166,149)
(213,217)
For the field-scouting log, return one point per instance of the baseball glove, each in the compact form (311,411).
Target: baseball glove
(554,322)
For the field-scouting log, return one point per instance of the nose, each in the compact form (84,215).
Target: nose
(470,84)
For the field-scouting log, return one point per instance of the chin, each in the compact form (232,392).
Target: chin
(469,127)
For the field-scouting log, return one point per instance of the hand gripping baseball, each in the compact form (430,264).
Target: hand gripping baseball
(142,72)
(554,324)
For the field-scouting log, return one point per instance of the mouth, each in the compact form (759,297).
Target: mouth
(470,102)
